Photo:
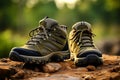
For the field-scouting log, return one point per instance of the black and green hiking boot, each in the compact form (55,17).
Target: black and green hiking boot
(81,46)
(48,43)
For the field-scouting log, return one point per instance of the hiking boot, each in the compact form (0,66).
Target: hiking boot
(48,43)
(82,48)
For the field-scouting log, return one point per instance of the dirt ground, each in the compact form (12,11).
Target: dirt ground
(11,70)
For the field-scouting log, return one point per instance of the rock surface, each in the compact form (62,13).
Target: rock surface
(91,68)
(57,77)
(11,70)
(51,67)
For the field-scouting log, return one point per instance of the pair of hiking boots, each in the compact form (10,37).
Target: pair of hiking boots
(49,43)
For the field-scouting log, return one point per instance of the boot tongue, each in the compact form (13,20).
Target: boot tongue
(82,26)
(48,22)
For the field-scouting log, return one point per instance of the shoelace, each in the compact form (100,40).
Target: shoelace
(39,31)
(84,38)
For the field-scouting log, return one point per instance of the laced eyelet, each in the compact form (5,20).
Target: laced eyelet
(78,43)
(49,34)
(54,29)
(44,39)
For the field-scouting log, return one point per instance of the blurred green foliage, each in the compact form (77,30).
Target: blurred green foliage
(18,17)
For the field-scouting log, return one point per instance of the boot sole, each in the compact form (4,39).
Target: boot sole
(91,59)
(52,57)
